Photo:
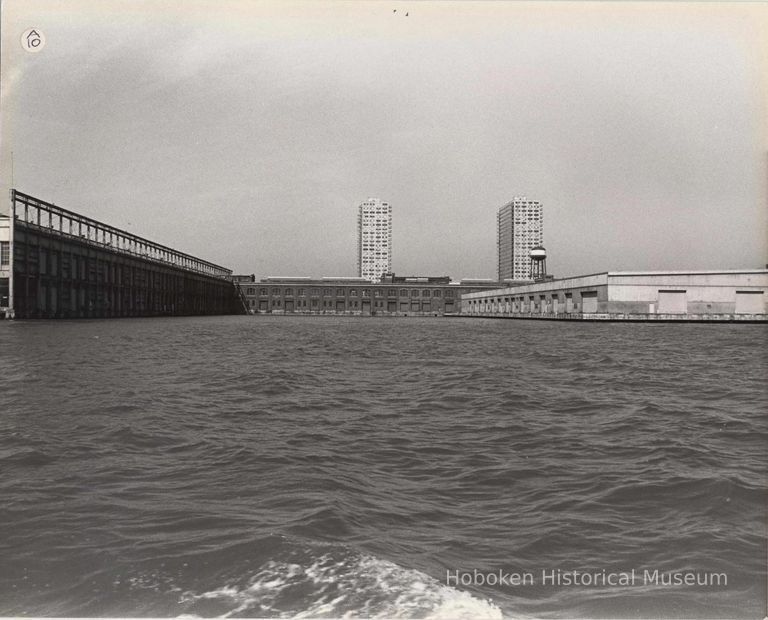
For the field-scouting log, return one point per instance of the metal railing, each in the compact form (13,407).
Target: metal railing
(36,213)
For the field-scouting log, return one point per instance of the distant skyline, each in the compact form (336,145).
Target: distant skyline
(247,133)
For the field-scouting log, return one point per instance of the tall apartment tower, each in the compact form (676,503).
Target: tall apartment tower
(374,239)
(520,228)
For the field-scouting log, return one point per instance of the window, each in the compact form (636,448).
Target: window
(250,291)
(326,292)
(262,291)
(289,292)
(339,292)
(437,293)
(403,292)
(5,253)
(425,293)
(378,292)
(301,292)
(414,293)
(366,292)
(449,294)
(314,292)
(275,292)
(391,292)
(353,293)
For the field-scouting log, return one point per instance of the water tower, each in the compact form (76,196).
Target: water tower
(538,263)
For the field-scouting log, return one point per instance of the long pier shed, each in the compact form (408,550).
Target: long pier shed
(55,263)
(715,295)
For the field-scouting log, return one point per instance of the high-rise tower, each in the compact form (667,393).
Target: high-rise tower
(374,239)
(519,230)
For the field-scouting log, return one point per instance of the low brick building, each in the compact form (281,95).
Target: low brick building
(394,296)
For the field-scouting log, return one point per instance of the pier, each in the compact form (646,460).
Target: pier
(55,263)
(711,296)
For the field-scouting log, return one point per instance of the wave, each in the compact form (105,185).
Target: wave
(339,583)
(25,456)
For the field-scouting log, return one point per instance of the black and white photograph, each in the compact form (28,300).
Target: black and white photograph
(414,309)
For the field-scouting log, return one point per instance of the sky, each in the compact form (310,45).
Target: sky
(247,133)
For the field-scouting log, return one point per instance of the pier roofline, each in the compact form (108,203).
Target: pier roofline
(602,277)
(46,216)
(392,280)
(56,264)
(691,272)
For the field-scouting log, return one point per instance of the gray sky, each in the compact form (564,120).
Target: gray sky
(247,133)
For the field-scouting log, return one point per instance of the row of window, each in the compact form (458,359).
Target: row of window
(340,292)
(529,301)
(522,298)
(339,305)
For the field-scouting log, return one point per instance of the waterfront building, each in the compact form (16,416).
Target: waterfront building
(725,295)
(394,296)
(374,239)
(519,229)
(5,264)
(55,263)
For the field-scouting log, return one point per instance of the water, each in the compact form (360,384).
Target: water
(322,467)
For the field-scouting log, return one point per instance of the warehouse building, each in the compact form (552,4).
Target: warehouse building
(393,296)
(724,295)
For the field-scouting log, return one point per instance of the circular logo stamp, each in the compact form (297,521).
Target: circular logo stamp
(33,40)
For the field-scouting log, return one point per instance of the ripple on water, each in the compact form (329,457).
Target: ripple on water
(270,466)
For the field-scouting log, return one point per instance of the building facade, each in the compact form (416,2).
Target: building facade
(58,264)
(519,228)
(397,296)
(5,266)
(374,239)
(733,295)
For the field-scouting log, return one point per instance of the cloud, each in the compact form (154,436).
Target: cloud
(240,133)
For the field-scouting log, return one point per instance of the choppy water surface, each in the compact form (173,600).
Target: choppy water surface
(317,467)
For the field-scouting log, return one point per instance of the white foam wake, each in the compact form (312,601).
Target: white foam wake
(349,587)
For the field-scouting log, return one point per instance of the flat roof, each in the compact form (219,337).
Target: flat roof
(602,279)
(690,272)
(636,273)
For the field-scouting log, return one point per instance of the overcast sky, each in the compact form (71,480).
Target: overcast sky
(247,133)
